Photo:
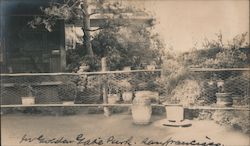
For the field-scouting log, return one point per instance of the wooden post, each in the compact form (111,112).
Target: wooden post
(104,87)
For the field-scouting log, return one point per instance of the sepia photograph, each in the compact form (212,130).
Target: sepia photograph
(125,72)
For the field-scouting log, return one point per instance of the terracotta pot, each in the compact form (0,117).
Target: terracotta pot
(224,99)
(141,109)
(29,100)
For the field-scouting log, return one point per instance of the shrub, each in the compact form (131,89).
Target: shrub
(236,119)
(187,92)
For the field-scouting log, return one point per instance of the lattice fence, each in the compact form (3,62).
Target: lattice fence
(232,81)
(85,88)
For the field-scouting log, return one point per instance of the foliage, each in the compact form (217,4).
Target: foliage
(186,93)
(208,92)
(238,84)
(125,42)
(216,54)
(128,46)
(122,41)
(235,119)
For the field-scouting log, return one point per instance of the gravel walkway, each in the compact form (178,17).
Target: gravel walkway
(65,129)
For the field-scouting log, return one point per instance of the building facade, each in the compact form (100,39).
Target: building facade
(25,49)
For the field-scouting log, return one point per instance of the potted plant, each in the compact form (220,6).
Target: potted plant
(113,92)
(127,94)
(185,93)
(150,67)
(175,115)
(150,89)
(223,98)
(83,68)
(174,110)
(113,98)
(30,99)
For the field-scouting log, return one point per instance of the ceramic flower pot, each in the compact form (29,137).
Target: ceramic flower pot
(141,109)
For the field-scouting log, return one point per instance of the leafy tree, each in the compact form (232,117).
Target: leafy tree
(132,45)
(123,40)
(72,10)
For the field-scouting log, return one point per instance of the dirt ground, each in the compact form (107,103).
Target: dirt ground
(111,130)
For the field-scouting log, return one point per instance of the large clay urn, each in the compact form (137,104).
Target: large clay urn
(141,108)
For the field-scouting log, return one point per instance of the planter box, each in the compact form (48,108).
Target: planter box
(175,113)
(29,100)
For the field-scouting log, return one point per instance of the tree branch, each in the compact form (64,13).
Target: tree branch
(95,29)
(93,13)
(74,4)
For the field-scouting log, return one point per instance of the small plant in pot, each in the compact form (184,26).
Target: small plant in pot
(175,114)
(127,94)
(113,93)
(30,99)
(224,98)
(187,92)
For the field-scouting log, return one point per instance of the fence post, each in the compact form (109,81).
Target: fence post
(104,87)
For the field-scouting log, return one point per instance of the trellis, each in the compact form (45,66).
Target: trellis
(55,82)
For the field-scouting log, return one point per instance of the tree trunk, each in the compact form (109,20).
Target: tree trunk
(86,28)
